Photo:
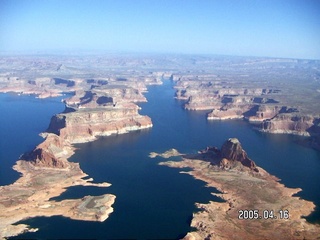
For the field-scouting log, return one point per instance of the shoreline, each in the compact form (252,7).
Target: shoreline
(106,87)
(46,172)
(243,190)
(30,196)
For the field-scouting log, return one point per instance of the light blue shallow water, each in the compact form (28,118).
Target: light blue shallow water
(156,201)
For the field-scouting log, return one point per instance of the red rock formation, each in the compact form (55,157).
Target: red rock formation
(292,124)
(265,112)
(52,153)
(229,112)
(120,93)
(86,125)
(104,96)
(231,151)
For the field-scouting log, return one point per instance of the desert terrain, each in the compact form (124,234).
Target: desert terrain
(101,93)
(256,205)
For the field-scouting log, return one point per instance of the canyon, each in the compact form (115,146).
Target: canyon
(101,96)
(270,107)
(92,111)
(47,173)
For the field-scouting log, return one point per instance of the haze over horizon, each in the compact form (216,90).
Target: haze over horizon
(287,29)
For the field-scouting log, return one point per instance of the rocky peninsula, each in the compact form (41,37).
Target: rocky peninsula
(275,95)
(46,172)
(96,107)
(256,205)
(101,95)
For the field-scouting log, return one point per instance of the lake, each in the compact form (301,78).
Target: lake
(157,202)
(22,118)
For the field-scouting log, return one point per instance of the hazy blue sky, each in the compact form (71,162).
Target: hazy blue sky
(280,28)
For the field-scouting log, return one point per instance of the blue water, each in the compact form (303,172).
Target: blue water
(155,201)
(22,118)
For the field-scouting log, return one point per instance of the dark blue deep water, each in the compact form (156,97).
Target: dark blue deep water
(156,202)
(22,118)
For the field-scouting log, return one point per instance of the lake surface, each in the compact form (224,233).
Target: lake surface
(22,118)
(157,202)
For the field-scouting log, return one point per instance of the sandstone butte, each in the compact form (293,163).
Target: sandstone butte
(46,172)
(243,186)
(267,109)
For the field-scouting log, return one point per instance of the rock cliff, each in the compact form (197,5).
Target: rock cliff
(266,112)
(229,112)
(51,153)
(269,109)
(245,188)
(231,156)
(86,125)
(292,124)
(232,152)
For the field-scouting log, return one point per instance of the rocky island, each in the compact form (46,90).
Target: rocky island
(256,205)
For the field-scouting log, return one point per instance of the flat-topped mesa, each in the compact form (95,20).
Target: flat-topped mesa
(51,153)
(86,125)
(293,124)
(229,112)
(120,93)
(265,112)
(105,96)
(88,99)
(232,152)
(99,112)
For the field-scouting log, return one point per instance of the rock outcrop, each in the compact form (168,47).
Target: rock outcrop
(232,153)
(86,125)
(266,112)
(269,109)
(229,112)
(231,156)
(246,189)
(53,152)
(98,107)
(292,124)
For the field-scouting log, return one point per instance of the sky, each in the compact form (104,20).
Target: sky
(271,28)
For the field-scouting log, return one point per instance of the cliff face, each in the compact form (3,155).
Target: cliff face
(98,108)
(232,152)
(270,107)
(243,186)
(292,124)
(86,125)
(230,156)
(101,111)
(121,93)
(51,153)
(204,101)
(230,111)
(265,112)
